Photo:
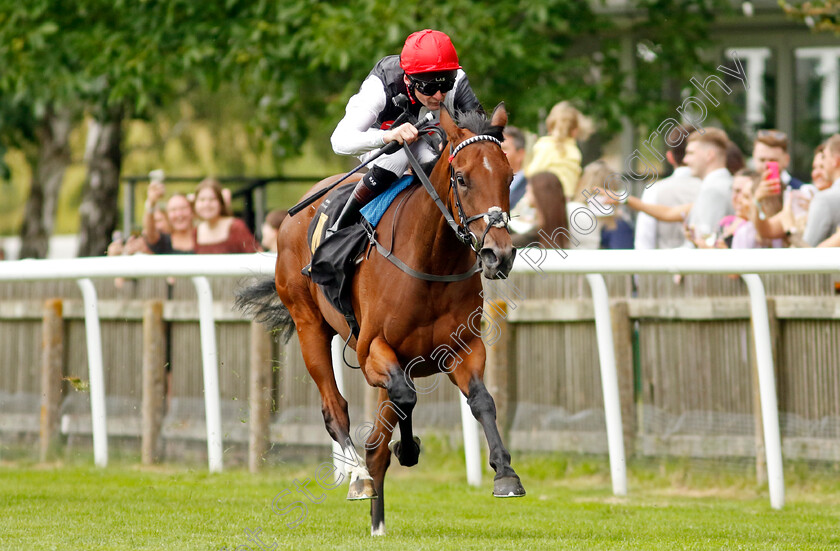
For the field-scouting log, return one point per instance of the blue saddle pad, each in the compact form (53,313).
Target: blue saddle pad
(374,210)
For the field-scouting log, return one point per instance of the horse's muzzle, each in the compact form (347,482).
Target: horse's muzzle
(496,262)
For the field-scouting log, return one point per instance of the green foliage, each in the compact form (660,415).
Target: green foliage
(299,61)
(823,15)
(673,38)
(295,63)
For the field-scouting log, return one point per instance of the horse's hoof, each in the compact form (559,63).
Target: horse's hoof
(361,488)
(405,460)
(508,486)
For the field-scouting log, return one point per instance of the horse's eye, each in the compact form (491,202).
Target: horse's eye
(460,179)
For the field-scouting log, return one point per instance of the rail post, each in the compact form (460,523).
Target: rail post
(609,383)
(210,367)
(96,373)
(154,374)
(259,396)
(52,355)
(767,389)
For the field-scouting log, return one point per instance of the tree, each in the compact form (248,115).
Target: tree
(34,116)
(821,15)
(113,60)
(311,56)
(298,62)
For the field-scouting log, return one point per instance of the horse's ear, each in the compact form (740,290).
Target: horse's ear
(500,116)
(448,124)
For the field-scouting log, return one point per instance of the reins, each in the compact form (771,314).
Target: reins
(494,217)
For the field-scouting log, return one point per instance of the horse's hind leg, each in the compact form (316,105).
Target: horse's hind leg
(469,381)
(315,346)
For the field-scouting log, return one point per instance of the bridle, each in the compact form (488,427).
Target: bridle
(494,217)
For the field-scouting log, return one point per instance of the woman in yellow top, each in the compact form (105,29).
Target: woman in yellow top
(558,152)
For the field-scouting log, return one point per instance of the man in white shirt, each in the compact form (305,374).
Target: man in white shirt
(680,188)
(706,157)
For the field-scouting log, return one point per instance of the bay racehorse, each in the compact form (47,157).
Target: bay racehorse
(404,318)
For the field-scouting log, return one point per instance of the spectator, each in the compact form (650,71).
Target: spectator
(734,158)
(270,229)
(523,218)
(826,198)
(558,152)
(133,244)
(680,188)
(180,236)
(706,156)
(514,147)
(819,179)
(218,232)
(824,212)
(772,146)
(833,241)
(735,231)
(721,237)
(595,174)
(745,235)
(545,191)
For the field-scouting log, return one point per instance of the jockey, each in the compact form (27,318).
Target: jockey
(428,72)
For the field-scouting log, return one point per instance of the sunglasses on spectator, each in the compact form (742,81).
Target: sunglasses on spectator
(775,135)
(432,87)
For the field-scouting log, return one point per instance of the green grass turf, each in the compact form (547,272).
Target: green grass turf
(73,505)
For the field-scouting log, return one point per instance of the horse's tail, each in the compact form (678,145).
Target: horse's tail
(261,303)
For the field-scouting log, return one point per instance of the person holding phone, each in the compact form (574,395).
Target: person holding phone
(824,172)
(770,153)
(824,211)
(179,237)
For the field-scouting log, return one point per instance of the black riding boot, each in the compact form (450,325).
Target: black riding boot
(369,187)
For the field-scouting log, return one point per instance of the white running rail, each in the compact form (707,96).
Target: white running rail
(748,263)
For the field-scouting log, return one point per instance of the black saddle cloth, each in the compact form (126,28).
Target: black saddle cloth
(334,257)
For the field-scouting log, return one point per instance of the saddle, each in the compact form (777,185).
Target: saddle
(334,258)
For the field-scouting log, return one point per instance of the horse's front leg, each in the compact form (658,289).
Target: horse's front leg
(379,458)
(402,396)
(469,377)
(397,399)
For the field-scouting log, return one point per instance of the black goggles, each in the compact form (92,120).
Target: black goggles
(432,87)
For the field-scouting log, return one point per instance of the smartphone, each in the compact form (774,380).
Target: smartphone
(773,174)
(773,168)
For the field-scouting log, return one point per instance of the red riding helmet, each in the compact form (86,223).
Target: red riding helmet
(428,51)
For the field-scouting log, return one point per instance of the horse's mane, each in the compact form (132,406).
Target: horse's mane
(478,123)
